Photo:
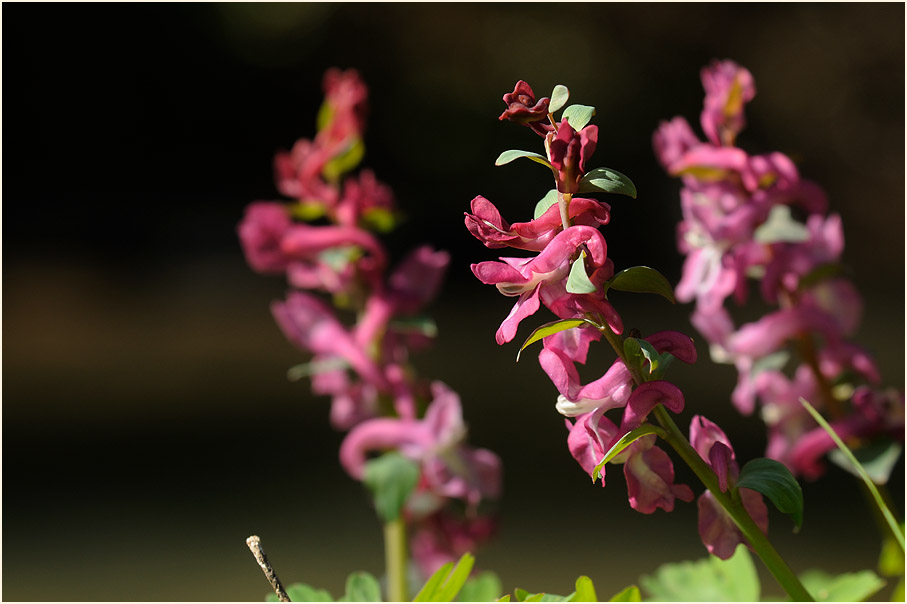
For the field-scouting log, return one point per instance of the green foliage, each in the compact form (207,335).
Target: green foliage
(444,585)
(390,478)
(297,372)
(625,441)
(606,180)
(342,163)
(627,594)
(642,280)
(848,587)
(300,592)
(819,274)
(552,328)
(578,281)
(878,460)
(896,530)
(307,210)
(484,587)
(578,116)
(891,564)
(774,480)
(508,156)
(559,97)
(637,350)
(707,580)
(544,203)
(781,227)
(361,587)
(379,219)
(585,590)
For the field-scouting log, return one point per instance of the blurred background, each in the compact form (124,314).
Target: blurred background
(148,424)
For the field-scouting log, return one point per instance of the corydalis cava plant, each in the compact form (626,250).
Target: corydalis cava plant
(740,226)
(571,275)
(427,478)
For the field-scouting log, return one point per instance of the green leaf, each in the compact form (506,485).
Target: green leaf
(585,591)
(897,594)
(819,274)
(708,580)
(508,156)
(362,587)
(444,585)
(578,281)
(342,163)
(324,117)
(544,203)
(878,459)
(559,97)
(608,181)
(578,116)
(424,326)
(774,480)
(627,594)
(883,508)
(300,592)
(651,355)
(379,219)
(780,227)
(504,598)
(297,372)
(642,280)
(848,587)
(307,210)
(521,594)
(552,328)
(484,587)
(390,478)
(891,560)
(625,441)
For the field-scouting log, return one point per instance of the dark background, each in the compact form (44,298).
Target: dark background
(148,426)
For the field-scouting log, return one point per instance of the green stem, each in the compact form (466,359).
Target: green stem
(751,531)
(733,506)
(395,557)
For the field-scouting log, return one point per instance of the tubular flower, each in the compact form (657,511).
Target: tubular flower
(523,108)
(568,151)
(716,528)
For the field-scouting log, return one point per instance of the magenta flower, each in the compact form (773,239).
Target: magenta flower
(260,233)
(728,87)
(527,278)
(487,225)
(672,140)
(647,469)
(444,538)
(346,96)
(362,195)
(716,528)
(297,173)
(522,108)
(568,151)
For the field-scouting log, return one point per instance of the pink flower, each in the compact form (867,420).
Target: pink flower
(260,233)
(487,225)
(717,530)
(298,173)
(362,195)
(647,469)
(672,140)
(346,97)
(417,279)
(728,87)
(444,538)
(568,151)
(522,108)
(527,278)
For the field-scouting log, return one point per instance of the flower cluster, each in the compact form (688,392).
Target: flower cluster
(324,241)
(740,221)
(571,274)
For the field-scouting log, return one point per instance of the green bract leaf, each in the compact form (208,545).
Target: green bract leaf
(307,210)
(508,156)
(819,274)
(504,598)
(552,328)
(424,326)
(544,203)
(780,227)
(362,587)
(891,560)
(585,591)
(559,97)
(390,478)
(578,116)
(443,588)
(878,459)
(642,280)
(324,116)
(379,219)
(627,594)
(625,441)
(708,580)
(774,480)
(344,162)
(883,507)
(848,587)
(608,181)
(300,592)
(484,587)
(297,372)
(578,281)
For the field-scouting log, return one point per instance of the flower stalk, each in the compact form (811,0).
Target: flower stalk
(395,557)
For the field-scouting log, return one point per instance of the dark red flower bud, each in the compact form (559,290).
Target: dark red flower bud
(522,108)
